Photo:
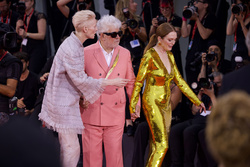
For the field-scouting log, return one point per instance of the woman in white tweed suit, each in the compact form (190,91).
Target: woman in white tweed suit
(66,83)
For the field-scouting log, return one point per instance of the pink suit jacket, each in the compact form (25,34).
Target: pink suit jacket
(109,109)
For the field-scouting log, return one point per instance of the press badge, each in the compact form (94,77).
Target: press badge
(134,43)
(190,45)
(234,47)
(24,42)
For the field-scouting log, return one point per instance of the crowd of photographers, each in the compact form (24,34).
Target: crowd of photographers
(23,56)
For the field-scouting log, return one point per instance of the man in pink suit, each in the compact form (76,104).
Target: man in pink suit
(104,120)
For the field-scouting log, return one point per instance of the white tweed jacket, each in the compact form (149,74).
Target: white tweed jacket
(66,83)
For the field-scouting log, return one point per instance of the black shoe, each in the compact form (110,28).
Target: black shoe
(130,130)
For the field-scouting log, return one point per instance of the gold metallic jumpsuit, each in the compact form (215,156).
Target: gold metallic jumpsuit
(156,101)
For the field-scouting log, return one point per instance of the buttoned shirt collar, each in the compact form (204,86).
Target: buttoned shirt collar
(108,56)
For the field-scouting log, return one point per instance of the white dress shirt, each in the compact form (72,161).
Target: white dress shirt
(108,56)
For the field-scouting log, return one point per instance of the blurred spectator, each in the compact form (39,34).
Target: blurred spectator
(183,138)
(133,38)
(8,16)
(213,61)
(25,145)
(228,130)
(199,29)
(167,15)
(69,13)
(32,28)
(238,25)
(27,88)
(10,71)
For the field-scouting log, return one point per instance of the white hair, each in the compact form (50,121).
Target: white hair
(81,18)
(248,40)
(216,74)
(106,22)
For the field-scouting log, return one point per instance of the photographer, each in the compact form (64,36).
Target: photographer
(183,138)
(8,16)
(32,28)
(134,33)
(199,29)
(238,25)
(168,15)
(63,6)
(213,61)
(10,70)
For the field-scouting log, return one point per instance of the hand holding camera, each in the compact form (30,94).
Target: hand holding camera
(203,58)
(132,23)
(238,8)
(155,22)
(190,11)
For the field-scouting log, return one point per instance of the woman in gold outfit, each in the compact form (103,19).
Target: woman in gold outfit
(158,68)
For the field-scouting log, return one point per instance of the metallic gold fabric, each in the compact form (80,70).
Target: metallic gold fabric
(156,101)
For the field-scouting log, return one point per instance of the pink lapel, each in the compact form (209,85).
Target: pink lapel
(100,57)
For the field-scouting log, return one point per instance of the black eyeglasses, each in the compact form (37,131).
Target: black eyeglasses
(114,34)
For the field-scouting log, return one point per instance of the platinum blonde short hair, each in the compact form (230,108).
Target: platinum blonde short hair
(106,22)
(81,18)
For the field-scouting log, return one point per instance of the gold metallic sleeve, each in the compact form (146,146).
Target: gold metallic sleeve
(181,83)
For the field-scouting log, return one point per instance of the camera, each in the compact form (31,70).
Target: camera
(82,5)
(8,39)
(19,7)
(161,19)
(211,56)
(132,23)
(205,83)
(239,8)
(202,83)
(187,13)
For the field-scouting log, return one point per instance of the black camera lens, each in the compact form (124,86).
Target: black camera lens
(210,56)
(82,5)
(161,19)
(132,23)
(204,83)
(238,8)
(187,13)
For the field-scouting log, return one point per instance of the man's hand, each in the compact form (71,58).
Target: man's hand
(44,77)
(20,103)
